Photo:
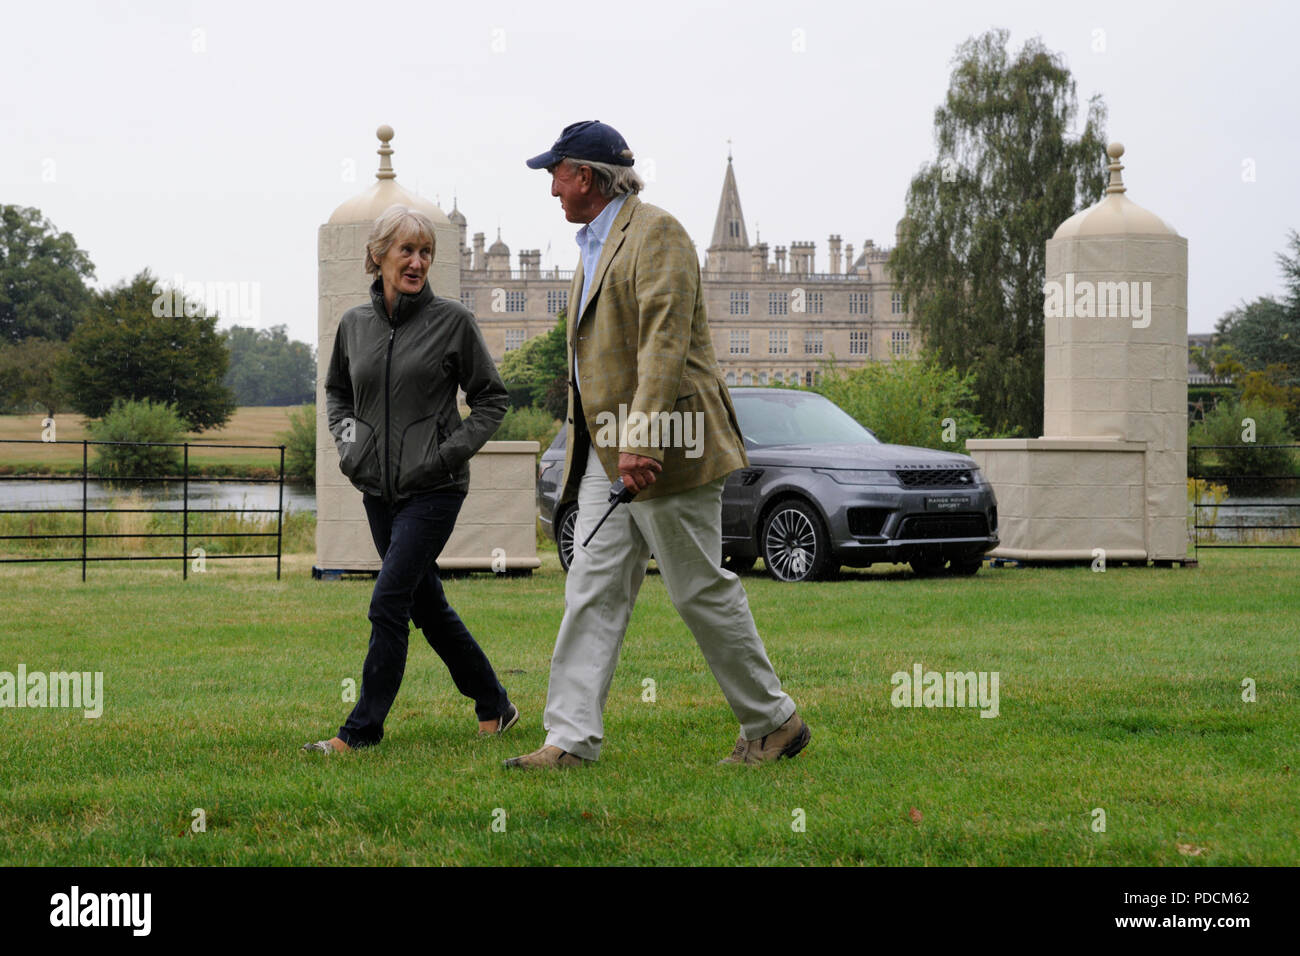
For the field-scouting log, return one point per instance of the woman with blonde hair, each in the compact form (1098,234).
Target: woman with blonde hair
(391,396)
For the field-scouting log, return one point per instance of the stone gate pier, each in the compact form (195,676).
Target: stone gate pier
(1110,471)
(496,528)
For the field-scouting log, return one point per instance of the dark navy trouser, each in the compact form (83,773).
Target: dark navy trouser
(409,537)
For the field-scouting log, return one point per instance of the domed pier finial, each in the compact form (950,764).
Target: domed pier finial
(1115,151)
(385,133)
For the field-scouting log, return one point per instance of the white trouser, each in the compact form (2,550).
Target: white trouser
(684,531)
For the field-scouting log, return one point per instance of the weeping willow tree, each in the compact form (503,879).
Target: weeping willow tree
(969,258)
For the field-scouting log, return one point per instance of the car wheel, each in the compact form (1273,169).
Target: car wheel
(564,539)
(795,545)
(738,565)
(965,568)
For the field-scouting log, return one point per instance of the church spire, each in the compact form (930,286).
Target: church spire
(729,228)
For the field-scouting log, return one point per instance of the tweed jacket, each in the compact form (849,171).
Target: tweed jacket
(650,382)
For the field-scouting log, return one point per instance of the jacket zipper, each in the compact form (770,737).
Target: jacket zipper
(388,433)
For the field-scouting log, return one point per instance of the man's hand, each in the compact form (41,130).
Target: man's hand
(637,472)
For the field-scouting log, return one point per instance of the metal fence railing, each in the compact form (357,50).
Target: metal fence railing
(1206,534)
(184,511)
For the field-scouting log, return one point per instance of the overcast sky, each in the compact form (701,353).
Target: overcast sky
(210,140)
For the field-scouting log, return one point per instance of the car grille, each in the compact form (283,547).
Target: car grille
(936,477)
(867,522)
(928,527)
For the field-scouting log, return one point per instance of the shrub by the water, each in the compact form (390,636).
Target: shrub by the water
(1243,427)
(138,421)
(300,443)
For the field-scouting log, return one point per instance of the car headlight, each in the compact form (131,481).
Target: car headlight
(858,476)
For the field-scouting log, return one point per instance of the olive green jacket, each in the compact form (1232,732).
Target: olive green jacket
(650,383)
(391,394)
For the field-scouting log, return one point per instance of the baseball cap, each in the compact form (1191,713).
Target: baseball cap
(590,139)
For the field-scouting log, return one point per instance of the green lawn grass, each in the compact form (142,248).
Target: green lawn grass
(1119,691)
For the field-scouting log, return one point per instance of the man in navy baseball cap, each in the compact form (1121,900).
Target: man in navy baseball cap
(639,339)
(590,139)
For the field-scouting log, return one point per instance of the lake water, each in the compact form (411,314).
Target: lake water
(1255,512)
(235,495)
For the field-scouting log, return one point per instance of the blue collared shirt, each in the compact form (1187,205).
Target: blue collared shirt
(591,241)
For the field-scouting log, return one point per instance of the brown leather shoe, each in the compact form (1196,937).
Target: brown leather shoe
(547,758)
(786,741)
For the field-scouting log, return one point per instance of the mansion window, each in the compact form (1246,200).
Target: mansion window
(859,343)
(778,342)
(900,341)
(556,300)
(896,303)
(739,342)
(740,303)
(514,301)
(813,301)
(514,339)
(812,343)
(778,303)
(859,303)
(467,299)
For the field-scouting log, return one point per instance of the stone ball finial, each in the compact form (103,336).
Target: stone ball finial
(384,192)
(1115,214)
(1115,150)
(385,151)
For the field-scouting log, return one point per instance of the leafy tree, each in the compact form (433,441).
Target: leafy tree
(268,368)
(1257,334)
(138,421)
(123,350)
(43,275)
(907,402)
(1257,345)
(969,259)
(1290,266)
(538,370)
(300,443)
(1227,426)
(1219,360)
(1272,386)
(29,379)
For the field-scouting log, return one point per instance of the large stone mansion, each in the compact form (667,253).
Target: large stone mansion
(774,319)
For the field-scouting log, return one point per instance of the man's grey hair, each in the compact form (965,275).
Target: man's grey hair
(392,222)
(610,180)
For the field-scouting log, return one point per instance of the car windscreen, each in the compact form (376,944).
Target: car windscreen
(795,418)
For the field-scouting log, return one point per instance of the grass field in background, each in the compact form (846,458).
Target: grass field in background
(253,425)
(1119,690)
